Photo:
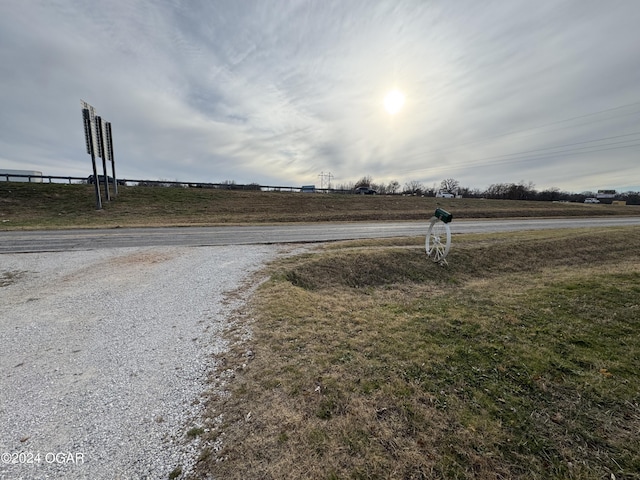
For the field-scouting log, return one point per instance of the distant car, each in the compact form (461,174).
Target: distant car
(90,180)
(445,195)
(591,200)
(365,191)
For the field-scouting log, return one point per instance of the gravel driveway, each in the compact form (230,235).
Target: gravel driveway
(104,356)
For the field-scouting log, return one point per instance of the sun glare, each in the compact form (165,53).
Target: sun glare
(394,101)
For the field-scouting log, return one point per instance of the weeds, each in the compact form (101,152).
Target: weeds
(7,278)
(175,473)
(195,431)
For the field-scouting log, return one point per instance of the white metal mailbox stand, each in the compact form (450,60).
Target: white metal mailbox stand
(438,241)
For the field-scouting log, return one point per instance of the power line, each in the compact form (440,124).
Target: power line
(568,145)
(561,153)
(556,147)
(486,139)
(572,118)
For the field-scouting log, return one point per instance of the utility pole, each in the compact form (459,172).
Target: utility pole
(328,176)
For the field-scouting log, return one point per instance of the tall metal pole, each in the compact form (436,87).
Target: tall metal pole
(89,139)
(101,154)
(109,145)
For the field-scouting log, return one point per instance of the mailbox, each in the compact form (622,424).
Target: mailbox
(443,215)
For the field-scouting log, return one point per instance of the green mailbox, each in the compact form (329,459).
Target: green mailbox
(443,215)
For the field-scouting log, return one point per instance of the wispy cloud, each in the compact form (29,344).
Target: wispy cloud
(275,92)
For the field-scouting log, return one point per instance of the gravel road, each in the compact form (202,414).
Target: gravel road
(105,355)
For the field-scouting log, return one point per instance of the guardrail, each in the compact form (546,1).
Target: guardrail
(39,178)
(166,183)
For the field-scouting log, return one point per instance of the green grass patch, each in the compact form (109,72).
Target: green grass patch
(519,360)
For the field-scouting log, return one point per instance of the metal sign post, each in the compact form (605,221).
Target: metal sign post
(109,147)
(86,118)
(100,144)
(101,154)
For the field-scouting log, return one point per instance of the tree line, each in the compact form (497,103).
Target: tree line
(500,191)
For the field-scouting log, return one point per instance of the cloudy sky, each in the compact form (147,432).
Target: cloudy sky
(278,91)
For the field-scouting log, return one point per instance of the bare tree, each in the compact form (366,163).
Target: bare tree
(550,194)
(450,185)
(381,188)
(471,192)
(497,191)
(413,187)
(632,198)
(344,186)
(393,187)
(365,181)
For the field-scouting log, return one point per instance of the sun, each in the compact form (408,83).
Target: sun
(394,101)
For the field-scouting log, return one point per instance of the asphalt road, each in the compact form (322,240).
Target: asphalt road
(70,240)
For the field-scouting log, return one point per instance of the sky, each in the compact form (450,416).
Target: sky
(282,92)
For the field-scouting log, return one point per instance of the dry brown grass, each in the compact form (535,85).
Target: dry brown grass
(519,360)
(24,205)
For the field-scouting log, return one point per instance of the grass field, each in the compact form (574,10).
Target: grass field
(37,206)
(519,360)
